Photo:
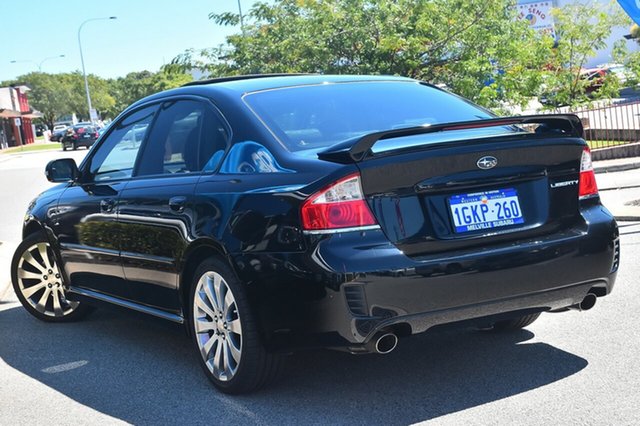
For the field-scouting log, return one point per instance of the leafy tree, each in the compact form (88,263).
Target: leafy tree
(101,99)
(475,47)
(59,94)
(582,29)
(137,85)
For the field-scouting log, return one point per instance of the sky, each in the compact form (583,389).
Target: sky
(145,35)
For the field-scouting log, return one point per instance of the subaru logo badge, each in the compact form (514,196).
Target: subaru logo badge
(487,162)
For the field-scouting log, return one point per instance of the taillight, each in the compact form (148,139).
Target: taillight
(96,135)
(588,186)
(341,205)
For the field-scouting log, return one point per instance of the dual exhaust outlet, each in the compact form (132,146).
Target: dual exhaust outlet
(385,342)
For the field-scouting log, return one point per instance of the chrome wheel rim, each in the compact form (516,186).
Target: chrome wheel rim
(40,282)
(217,326)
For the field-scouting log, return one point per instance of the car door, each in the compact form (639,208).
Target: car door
(156,212)
(85,219)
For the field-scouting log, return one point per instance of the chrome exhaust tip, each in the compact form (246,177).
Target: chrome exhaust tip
(386,343)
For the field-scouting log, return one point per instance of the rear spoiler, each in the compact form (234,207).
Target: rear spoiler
(356,150)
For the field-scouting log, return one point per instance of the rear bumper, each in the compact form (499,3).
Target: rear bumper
(362,284)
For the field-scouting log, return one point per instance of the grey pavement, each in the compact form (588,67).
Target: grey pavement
(619,184)
(574,368)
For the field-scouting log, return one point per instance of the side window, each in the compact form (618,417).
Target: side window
(188,137)
(116,156)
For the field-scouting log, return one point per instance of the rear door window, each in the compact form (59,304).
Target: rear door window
(188,137)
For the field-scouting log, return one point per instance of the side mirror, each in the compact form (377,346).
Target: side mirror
(63,170)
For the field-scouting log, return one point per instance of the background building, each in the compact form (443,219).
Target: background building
(15,116)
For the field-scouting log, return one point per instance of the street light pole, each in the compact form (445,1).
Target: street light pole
(46,59)
(38,64)
(241,18)
(84,72)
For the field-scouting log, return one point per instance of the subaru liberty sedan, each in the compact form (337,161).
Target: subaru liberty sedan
(279,212)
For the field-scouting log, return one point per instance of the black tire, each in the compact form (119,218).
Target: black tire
(63,310)
(256,367)
(516,323)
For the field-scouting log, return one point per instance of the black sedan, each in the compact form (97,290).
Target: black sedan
(79,135)
(275,213)
(57,135)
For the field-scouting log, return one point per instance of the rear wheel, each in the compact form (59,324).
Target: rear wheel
(225,332)
(39,284)
(516,323)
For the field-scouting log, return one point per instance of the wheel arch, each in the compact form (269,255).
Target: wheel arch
(194,255)
(32,227)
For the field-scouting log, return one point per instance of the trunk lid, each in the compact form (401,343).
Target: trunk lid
(436,196)
(439,199)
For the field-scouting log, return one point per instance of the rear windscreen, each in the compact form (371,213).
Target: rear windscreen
(318,116)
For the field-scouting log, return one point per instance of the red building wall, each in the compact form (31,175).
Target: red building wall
(27,129)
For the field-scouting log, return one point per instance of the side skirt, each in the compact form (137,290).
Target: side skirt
(81,294)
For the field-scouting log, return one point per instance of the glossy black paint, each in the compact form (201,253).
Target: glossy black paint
(136,241)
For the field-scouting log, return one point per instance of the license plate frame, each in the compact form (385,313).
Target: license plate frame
(485,210)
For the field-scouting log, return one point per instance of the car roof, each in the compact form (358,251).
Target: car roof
(253,83)
(243,84)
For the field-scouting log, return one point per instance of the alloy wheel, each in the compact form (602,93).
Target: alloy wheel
(40,282)
(217,326)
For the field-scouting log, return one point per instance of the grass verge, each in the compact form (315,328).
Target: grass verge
(596,144)
(31,148)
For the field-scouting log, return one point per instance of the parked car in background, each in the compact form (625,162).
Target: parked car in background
(276,213)
(79,135)
(58,133)
(40,129)
(620,71)
(595,78)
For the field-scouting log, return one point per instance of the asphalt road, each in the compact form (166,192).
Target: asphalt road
(114,367)
(21,180)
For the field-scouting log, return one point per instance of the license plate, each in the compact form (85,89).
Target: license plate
(485,210)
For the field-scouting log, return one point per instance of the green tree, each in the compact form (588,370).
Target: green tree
(476,47)
(137,85)
(101,98)
(582,29)
(59,94)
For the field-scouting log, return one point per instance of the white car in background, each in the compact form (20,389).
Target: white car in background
(619,70)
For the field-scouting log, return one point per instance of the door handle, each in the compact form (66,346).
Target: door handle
(177,203)
(107,205)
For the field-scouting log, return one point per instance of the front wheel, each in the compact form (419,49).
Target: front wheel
(39,284)
(225,332)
